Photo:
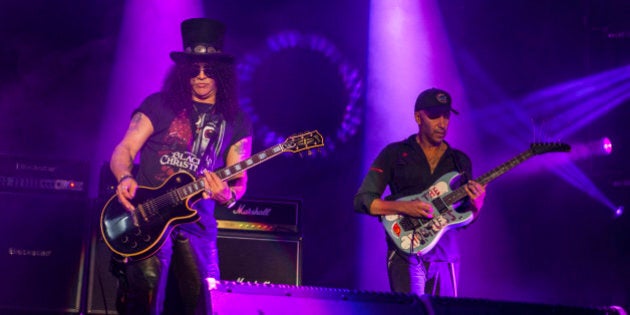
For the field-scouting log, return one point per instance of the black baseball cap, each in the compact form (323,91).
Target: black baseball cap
(434,99)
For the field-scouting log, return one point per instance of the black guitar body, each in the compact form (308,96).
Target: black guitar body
(138,234)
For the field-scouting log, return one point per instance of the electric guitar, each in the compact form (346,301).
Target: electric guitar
(138,234)
(419,235)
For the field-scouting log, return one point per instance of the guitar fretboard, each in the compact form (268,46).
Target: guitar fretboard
(460,192)
(229,172)
(294,144)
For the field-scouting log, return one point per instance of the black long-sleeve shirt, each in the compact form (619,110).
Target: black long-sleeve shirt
(403,167)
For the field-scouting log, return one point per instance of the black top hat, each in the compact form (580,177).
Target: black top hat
(203,41)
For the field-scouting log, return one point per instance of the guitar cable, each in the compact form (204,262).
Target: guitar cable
(451,267)
(103,297)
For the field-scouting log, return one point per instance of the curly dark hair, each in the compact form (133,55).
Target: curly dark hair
(177,89)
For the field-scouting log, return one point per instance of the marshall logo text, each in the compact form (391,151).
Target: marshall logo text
(242,210)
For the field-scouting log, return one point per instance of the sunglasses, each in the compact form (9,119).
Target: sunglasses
(194,69)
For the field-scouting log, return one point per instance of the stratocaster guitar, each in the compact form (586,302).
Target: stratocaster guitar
(419,235)
(138,234)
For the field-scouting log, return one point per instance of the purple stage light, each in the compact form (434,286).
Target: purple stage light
(618,211)
(606,145)
(409,51)
(590,149)
(138,71)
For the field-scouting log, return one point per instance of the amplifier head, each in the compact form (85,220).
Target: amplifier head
(262,215)
(23,174)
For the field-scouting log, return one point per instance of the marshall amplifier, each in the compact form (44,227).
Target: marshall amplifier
(44,208)
(260,257)
(261,215)
(21,174)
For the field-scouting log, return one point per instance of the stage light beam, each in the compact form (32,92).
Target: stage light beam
(589,149)
(409,51)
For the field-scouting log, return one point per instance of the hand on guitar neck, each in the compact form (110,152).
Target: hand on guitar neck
(477,193)
(215,188)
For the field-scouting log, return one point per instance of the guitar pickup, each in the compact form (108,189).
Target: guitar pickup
(409,223)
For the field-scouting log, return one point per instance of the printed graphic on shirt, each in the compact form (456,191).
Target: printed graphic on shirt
(175,153)
(181,160)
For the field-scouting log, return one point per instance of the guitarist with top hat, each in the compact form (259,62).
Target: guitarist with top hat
(411,167)
(192,125)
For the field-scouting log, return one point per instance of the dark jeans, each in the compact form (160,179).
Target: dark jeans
(411,274)
(172,281)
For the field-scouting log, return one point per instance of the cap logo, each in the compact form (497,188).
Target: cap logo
(442,98)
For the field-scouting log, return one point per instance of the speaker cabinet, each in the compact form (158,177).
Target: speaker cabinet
(101,293)
(243,256)
(260,258)
(43,247)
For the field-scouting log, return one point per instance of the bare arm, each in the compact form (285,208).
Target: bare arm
(238,152)
(414,208)
(121,163)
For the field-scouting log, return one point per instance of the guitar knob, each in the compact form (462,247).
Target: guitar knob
(124,239)
(147,238)
(134,245)
(137,232)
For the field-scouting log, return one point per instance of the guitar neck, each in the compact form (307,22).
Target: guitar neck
(460,192)
(231,171)
(293,144)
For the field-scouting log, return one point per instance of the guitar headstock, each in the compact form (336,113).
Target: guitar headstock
(303,141)
(546,147)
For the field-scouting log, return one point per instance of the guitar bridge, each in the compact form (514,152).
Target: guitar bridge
(409,223)
(439,205)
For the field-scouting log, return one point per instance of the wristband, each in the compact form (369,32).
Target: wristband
(124,177)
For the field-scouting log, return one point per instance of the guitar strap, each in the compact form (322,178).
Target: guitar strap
(210,128)
(217,146)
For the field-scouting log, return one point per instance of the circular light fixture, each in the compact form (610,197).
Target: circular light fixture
(350,76)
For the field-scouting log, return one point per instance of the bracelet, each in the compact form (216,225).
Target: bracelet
(124,177)
(232,201)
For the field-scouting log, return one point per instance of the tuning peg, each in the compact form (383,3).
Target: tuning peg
(310,152)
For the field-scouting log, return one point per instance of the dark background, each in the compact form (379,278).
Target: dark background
(539,239)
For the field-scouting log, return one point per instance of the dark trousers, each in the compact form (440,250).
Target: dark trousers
(411,274)
(171,282)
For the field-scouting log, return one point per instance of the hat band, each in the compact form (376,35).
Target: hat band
(202,49)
